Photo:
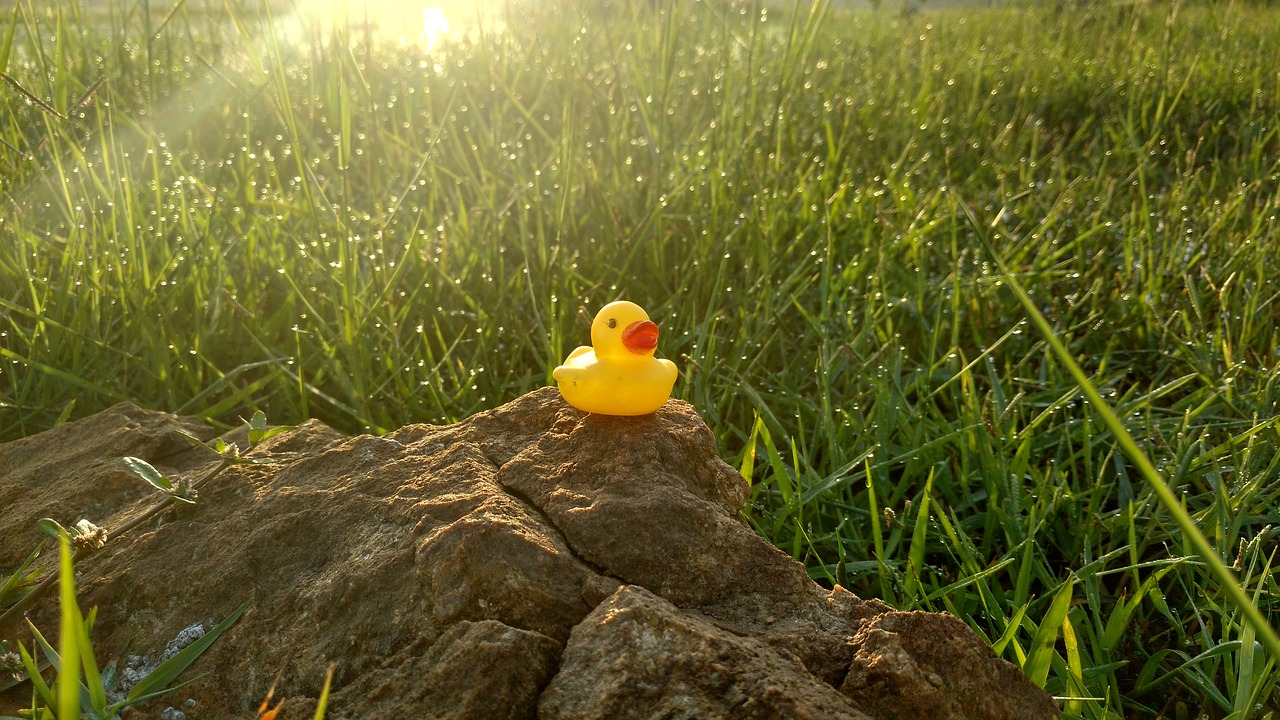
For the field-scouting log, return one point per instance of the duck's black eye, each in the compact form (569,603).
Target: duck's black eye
(612,323)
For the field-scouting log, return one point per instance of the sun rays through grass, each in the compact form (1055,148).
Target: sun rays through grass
(212,208)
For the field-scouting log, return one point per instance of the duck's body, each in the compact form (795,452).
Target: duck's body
(618,374)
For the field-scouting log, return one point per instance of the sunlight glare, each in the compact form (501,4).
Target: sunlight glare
(435,26)
(422,23)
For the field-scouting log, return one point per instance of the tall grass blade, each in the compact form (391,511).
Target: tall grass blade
(1226,579)
(323,704)
(1075,669)
(95,692)
(1042,645)
(32,668)
(919,539)
(70,628)
(7,46)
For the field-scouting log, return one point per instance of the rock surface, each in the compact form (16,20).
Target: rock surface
(530,561)
(637,655)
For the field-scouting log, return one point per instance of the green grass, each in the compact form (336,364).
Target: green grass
(238,218)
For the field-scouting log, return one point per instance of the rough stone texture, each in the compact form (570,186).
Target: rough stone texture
(92,448)
(444,570)
(676,530)
(639,656)
(476,671)
(931,665)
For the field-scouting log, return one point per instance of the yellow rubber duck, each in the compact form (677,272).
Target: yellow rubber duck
(618,375)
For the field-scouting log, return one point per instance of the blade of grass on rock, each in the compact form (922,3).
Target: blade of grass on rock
(170,669)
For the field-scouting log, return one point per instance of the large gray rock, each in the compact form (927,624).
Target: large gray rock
(530,561)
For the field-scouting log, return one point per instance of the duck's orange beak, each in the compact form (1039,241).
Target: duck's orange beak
(640,337)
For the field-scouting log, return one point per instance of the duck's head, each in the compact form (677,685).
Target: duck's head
(623,329)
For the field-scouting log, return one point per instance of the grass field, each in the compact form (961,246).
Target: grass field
(203,213)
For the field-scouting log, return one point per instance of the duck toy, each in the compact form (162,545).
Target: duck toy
(618,374)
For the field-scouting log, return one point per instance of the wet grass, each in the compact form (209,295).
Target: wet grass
(209,210)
